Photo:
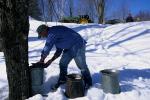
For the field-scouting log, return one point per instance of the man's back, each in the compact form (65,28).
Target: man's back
(65,37)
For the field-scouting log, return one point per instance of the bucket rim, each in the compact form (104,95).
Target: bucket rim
(74,76)
(109,71)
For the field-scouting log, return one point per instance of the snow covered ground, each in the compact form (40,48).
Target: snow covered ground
(124,47)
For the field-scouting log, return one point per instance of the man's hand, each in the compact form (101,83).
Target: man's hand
(42,60)
(38,65)
(48,63)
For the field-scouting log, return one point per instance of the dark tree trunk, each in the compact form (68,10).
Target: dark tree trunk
(101,7)
(71,8)
(14,28)
(34,10)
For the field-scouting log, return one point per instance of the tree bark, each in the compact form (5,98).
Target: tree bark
(101,7)
(14,28)
(71,8)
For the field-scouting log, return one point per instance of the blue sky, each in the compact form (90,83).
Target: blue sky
(137,5)
(134,5)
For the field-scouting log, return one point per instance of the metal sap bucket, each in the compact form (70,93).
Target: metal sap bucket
(36,73)
(74,86)
(110,82)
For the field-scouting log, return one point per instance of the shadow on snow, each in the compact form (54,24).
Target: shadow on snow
(126,78)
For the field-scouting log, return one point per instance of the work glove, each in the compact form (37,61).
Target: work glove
(42,60)
(48,63)
(38,65)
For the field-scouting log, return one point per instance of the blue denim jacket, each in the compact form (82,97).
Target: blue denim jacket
(63,38)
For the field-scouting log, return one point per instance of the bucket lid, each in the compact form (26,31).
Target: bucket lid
(110,71)
(74,76)
(37,65)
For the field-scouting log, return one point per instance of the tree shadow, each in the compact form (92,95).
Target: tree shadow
(126,77)
(31,39)
(79,28)
(91,50)
(35,50)
(130,74)
(38,51)
(2,60)
(142,51)
(122,30)
(129,38)
(96,78)
(49,83)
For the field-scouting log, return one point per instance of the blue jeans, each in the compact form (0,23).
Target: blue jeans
(78,54)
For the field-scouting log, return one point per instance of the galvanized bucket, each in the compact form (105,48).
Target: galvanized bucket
(37,76)
(110,82)
(36,73)
(74,86)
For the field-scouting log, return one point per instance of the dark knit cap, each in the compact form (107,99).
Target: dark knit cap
(42,28)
